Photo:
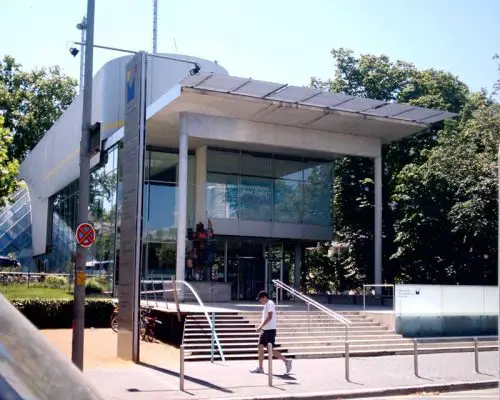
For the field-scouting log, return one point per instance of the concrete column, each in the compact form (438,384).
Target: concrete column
(201,183)
(378,221)
(297,266)
(182,191)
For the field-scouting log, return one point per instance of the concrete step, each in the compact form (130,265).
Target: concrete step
(294,339)
(286,332)
(286,324)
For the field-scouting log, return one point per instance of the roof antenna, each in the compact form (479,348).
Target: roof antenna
(155,26)
(175,46)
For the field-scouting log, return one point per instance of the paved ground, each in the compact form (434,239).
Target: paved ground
(231,380)
(469,395)
(158,376)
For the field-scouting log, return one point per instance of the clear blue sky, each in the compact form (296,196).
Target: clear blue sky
(278,40)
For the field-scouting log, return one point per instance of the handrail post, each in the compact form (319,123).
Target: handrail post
(181,368)
(154,291)
(346,357)
(415,358)
(364,297)
(308,316)
(212,339)
(476,355)
(270,364)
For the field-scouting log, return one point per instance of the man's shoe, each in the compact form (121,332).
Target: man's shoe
(288,364)
(258,370)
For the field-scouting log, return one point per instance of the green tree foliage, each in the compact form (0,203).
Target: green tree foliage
(421,210)
(8,166)
(31,101)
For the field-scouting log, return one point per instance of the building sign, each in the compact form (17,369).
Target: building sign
(131,211)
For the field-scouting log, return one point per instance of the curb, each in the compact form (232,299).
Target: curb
(380,392)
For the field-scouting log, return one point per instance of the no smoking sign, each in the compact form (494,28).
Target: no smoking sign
(85,235)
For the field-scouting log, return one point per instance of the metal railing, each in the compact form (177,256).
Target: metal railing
(177,304)
(376,285)
(310,302)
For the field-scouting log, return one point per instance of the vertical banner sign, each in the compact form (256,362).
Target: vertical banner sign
(131,213)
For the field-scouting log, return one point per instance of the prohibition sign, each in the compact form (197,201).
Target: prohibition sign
(85,235)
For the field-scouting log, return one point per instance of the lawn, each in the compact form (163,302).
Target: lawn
(25,292)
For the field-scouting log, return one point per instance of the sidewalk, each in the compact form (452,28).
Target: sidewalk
(204,380)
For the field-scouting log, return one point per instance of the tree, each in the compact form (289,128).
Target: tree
(380,78)
(8,166)
(456,223)
(31,101)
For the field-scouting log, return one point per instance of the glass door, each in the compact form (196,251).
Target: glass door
(274,270)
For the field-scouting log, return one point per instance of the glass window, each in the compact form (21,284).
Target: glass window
(161,211)
(255,198)
(287,201)
(221,198)
(221,161)
(162,167)
(255,166)
(287,169)
(317,203)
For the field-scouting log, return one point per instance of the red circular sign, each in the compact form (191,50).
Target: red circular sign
(85,235)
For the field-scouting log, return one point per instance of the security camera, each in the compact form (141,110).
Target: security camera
(74,51)
(195,70)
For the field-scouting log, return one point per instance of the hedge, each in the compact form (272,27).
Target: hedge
(58,313)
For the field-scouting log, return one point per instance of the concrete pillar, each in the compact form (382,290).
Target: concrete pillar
(201,183)
(378,221)
(297,266)
(182,192)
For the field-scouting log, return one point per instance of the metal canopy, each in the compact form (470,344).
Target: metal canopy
(314,98)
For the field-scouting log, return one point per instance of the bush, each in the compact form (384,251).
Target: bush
(55,282)
(58,313)
(93,287)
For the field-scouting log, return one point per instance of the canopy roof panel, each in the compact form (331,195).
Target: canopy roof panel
(314,98)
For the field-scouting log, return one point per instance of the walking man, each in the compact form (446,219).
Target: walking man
(267,331)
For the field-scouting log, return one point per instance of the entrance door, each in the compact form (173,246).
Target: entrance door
(274,270)
(245,274)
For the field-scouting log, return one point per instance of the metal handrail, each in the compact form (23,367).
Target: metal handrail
(310,302)
(212,328)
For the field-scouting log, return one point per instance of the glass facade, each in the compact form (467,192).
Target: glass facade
(160,209)
(268,188)
(103,214)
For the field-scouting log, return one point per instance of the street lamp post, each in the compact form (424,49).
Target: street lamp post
(83,202)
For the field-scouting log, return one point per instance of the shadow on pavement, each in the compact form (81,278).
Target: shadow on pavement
(200,382)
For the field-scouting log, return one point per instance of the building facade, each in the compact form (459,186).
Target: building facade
(251,160)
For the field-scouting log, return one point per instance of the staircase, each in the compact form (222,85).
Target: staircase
(305,335)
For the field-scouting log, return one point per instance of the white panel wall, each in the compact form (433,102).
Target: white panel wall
(421,300)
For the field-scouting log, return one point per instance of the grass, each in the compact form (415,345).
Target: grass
(25,292)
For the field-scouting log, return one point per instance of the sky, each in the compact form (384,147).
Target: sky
(285,41)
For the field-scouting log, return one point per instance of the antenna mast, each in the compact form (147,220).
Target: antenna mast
(155,26)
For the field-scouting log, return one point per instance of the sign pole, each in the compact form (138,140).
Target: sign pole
(84,182)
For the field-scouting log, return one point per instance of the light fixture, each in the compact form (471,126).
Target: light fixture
(74,51)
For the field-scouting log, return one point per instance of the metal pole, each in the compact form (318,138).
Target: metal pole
(308,316)
(346,357)
(378,222)
(83,203)
(212,339)
(476,355)
(82,26)
(270,364)
(415,357)
(155,26)
(181,369)
(364,297)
